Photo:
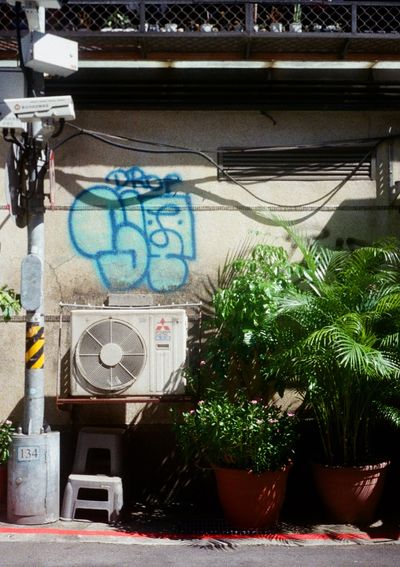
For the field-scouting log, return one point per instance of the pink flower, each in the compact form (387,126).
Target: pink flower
(272,421)
(201,402)
(290,414)
(254,402)
(202,362)
(192,411)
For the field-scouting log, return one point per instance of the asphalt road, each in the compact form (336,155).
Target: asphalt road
(210,554)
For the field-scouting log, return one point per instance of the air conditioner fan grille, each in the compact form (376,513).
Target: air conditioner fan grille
(109,355)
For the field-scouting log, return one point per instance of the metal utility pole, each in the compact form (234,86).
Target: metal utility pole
(32,280)
(33,469)
(34,464)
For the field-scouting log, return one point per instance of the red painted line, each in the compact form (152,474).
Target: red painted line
(151,535)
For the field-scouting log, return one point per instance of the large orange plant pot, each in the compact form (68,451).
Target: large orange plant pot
(350,494)
(249,500)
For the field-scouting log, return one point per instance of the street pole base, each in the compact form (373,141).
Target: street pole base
(33,491)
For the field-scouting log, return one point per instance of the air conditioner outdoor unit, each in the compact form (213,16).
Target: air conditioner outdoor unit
(127,352)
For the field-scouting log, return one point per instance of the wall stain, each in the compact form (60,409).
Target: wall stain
(136,229)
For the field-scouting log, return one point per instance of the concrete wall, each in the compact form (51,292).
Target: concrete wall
(86,255)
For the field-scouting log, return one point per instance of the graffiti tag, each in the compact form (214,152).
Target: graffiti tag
(136,229)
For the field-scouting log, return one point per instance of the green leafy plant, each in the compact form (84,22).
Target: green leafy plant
(118,20)
(340,347)
(9,302)
(245,434)
(236,350)
(297,12)
(6,431)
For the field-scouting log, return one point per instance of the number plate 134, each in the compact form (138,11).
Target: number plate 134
(28,453)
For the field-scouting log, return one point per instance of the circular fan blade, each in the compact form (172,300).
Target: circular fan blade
(109,356)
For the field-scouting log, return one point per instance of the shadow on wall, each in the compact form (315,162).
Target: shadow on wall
(138,230)
(17,413)
(360,222)
(156,472)
(262,210)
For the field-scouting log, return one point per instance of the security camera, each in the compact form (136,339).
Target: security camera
(47,53)
(55,4)
(39,108)
(8,120)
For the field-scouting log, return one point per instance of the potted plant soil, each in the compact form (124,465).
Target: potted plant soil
(339,348)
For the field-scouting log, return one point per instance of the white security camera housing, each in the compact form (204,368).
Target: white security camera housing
(55,4)
(8,120)
(39,108)
(47,53)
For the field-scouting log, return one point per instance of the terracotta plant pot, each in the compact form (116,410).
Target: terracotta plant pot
(350,494)
(251,501)
(3,485)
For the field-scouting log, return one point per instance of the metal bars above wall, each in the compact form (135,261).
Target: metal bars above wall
(351,17)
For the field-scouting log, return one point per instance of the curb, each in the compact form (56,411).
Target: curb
(114,535)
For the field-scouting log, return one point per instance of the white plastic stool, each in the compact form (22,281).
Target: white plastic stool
(99,438)
(72,502)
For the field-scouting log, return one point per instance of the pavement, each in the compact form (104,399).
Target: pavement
(177,524)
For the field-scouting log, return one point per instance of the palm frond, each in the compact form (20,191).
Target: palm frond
(388,413)
(388,300)
(391,341)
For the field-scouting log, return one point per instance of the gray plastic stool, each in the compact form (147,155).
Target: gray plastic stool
(99,438)
(71,502)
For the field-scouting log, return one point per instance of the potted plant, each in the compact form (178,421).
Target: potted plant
(240,336)
(118,22)
(6,431)
(296,25)
(275,16)
(339,348)
(250,446)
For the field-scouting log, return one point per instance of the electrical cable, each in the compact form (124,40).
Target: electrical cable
(329,144)
(15,140)
(19,40)
(137,141)
(103,137)
(172,149)
(184,150)
(60,128)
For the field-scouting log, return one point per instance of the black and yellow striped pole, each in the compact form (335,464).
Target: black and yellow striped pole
(34,345)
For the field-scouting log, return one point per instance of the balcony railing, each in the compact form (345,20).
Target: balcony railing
(235,17)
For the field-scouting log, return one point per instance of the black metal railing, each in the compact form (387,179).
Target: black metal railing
(220,17)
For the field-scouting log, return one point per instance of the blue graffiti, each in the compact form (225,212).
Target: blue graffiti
(136,229)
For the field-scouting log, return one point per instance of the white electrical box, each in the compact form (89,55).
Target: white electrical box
(127,352)
(47,53)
